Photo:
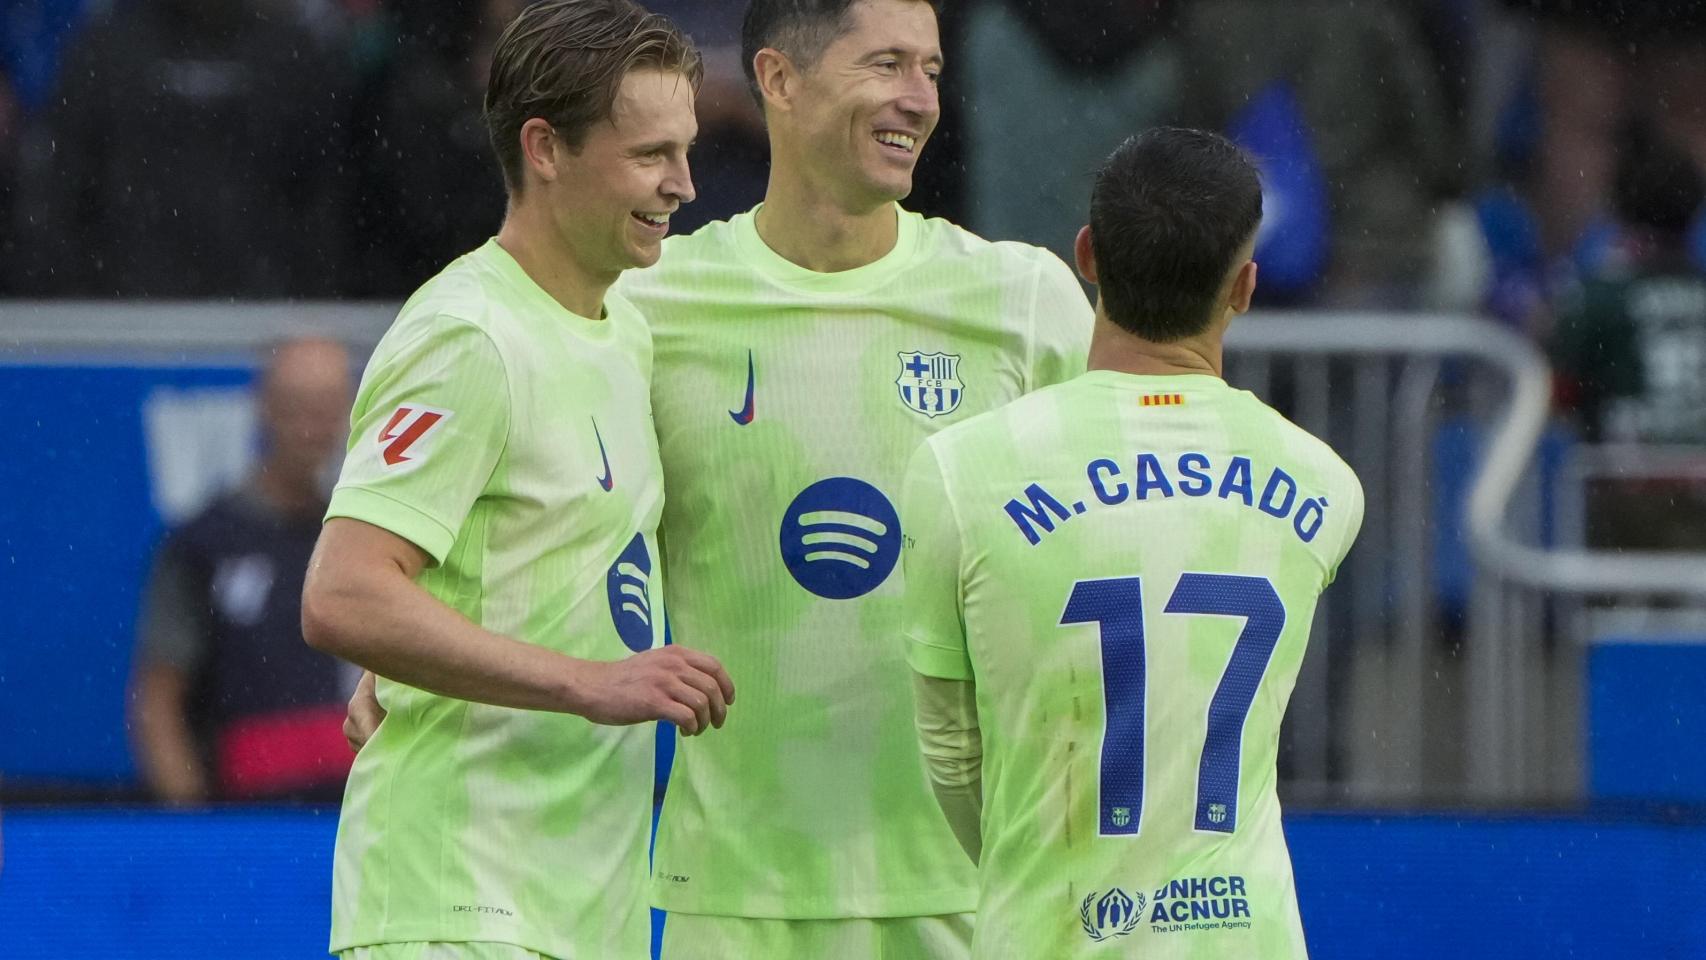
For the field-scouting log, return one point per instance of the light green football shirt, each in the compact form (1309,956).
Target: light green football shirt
(1127,567)
(512,441)
(787,404)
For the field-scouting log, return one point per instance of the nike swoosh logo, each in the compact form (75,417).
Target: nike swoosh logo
(607,481)
(744,415)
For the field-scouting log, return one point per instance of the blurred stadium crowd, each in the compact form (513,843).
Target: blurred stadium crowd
(1507,157)
(1538,163)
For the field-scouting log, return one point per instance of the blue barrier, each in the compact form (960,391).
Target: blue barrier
(77,525)
(142,885)
(1646,725)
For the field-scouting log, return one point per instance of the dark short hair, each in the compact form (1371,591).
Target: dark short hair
(1169,212)
(564,60)
(802,29)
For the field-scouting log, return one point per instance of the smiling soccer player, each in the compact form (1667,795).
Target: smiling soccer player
(804,349)
(491,545)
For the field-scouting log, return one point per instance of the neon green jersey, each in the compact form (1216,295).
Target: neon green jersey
(511,440)
(1127,567)
(788,403)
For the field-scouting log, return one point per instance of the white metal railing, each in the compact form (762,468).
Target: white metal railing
(1385,709)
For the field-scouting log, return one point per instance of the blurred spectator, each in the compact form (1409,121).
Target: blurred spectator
(227,701)
(1631,345)
(1372,115)
(1047,99)
(1630,348)
(1600,61)
(197,151)
(429,189)
(731,160)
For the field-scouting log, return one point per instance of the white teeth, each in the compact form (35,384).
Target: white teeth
(900,140)
(656,220)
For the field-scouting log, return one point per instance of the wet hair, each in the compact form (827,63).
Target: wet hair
(1170,211)
(564,60)
(802,29)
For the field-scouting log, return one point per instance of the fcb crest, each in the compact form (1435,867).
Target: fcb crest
(929,382)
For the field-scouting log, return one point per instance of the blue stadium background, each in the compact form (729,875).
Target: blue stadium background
(1622,877)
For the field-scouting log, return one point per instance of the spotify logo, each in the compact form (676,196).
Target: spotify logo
(840,538)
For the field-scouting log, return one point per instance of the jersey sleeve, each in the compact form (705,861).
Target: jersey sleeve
(1061,320)
(428,429)
(931,619)
(1352,525)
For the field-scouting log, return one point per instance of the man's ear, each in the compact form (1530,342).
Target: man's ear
(1243,287)
(778,80)
(539,147)
(1084,254)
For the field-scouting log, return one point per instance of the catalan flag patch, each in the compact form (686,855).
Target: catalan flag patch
(1161,400)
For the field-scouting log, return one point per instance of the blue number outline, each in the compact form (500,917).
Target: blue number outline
(1115,605)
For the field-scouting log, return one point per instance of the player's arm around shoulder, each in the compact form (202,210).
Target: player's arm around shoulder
(430,426)
(944,693)
(361,602)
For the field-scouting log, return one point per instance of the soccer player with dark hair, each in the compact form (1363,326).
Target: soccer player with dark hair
(803,350)
(1109,587)
(491,547)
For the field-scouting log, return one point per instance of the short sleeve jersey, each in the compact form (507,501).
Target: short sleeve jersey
(1127,567)
(511,441)
(787,405)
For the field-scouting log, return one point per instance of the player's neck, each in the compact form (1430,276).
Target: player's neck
(1112,348)
(814,230)
(531,240)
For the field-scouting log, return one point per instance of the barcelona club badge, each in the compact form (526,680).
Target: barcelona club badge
(929,382)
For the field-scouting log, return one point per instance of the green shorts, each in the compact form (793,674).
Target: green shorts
(424,950)
(690,936)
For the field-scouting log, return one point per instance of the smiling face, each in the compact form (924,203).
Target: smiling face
(868,103)
(611,200)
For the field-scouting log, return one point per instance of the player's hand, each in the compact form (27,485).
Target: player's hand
(688,688)
(364,713)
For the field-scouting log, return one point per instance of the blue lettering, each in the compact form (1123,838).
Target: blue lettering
(1025,515)
(1313,509)
(1237,480)
(1150,477)
(1199,910)
(1222,908)
(1159,914)
(1112,469)
(1217,886)
(1199,887)
(1240,908)
(1237,886)
(1274,480)
(1181,911)
(1178,890)
(1198,483)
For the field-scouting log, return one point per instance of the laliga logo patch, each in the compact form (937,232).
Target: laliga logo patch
(628,588)
(408,426)
(929,383)
(1115,914)
(840,538)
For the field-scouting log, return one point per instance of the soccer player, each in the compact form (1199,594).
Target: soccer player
(491,547)
(803,351)
(1109,586)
